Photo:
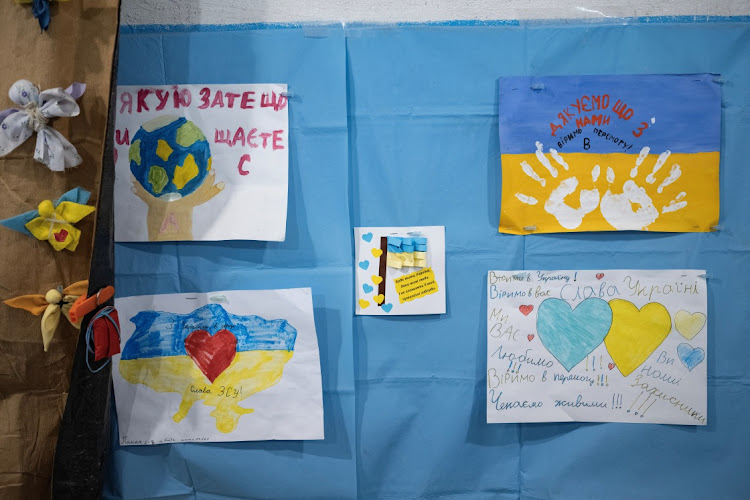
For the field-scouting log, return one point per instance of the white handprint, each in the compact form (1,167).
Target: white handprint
(618,210)
(633,209)
(567,216)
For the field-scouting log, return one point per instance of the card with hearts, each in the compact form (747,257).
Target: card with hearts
(218,366)
(399,270)
(597,346)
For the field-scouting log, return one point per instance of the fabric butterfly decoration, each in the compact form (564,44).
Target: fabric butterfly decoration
(51,305)
(36,109)
(53,222)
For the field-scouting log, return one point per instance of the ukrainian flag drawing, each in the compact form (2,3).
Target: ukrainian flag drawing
(208,355)
(609,153)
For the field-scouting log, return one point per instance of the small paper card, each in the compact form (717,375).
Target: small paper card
(400,270)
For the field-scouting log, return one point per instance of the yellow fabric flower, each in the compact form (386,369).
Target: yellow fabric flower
(55,224)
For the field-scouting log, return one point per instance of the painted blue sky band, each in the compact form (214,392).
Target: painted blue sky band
(686,109)
(163,334)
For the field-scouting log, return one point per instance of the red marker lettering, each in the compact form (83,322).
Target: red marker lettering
(121,139)
(126,100)
(163,96)
(247,100)
(219,137)
(277,139)
(218,100)
(265,136)
(239,136)
(142,94)
(231,96)
(182,97)
(205,92)
(245,158)
(251,135)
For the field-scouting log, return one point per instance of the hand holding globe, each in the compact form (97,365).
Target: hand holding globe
(170,162)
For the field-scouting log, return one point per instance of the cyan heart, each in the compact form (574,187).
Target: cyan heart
(690,357)
(571,334)
(387,307)
(367,288)
(364,264)
(367,237)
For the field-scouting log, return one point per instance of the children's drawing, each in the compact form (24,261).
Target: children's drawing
(573,345)
(170,161)
(201,162)
(400,270)
(571,334)
(690,356)
(689,324)
(622,153)
(237,366)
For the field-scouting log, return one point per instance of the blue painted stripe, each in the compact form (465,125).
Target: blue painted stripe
(685,109)
(188,28)
(163,333)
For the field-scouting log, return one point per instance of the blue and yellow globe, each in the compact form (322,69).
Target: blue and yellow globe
(169,155)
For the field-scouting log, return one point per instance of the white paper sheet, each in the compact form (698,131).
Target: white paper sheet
(597,346)
(265,386)
(415,287)
(163,195)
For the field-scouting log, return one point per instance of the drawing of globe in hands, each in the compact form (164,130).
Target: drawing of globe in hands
(633,208)
(170,162)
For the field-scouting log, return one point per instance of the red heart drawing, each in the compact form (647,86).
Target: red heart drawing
(61,235)
(530,337)
(599,276)
(525,310)
(611,365)
(212,354)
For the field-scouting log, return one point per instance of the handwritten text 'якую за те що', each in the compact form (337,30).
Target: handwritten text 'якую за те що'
(178,98)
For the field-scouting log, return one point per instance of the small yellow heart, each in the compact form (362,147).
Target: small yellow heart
(376,252)
(377,279)
(689,325)
(379,298)
(363,303)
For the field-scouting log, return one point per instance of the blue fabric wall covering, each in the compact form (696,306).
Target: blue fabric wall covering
(398,126)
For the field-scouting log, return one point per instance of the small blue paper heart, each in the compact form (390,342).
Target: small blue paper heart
(387,307)
(367,288)
(690,357)
(367,237)
(572,334)
(364,264)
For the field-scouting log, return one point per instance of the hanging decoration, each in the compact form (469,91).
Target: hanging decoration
(53,222)
(51,305)
(33,115)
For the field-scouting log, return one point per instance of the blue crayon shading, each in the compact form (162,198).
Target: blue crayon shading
(160,333)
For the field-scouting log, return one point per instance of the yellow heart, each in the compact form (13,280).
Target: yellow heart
(377,279)
(379,298)
(689,325)
(376,252)
(635,334)
(363,303)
